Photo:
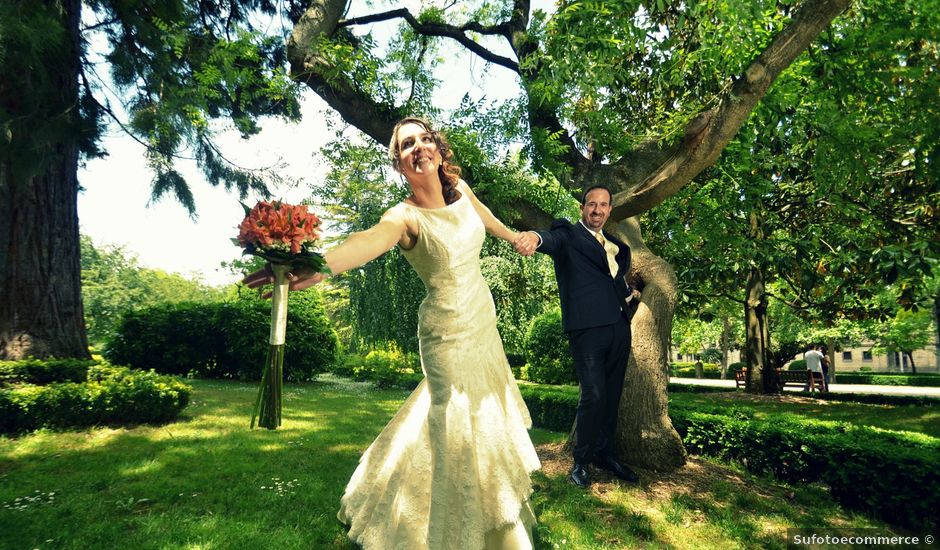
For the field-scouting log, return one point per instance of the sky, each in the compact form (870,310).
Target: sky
(114,206)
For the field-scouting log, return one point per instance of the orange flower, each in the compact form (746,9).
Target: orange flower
(276,225)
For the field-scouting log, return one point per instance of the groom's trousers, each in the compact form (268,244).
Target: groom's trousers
(600,360)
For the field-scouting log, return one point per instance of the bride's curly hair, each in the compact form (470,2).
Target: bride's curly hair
(447,171)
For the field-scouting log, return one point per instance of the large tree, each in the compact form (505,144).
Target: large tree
(828,193)
(175,65)
(639,95)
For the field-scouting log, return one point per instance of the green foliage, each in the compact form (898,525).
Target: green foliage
(906,332)
(384,294)
(879,399)
(113,283)
(42,372)
(618,87)
(551,407)
(39,105)
(826,187)
(889,475)
(522,289)
(225,339)
(798,364)
(692,335)
(548,359)
(109,396)
(890,379)
(387,368)
(843,456)
(178,67)
(693,388)
(686,369)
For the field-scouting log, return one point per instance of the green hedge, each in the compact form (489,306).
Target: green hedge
(109,396)
(551,407)
(695,388)
(889,379)
(40,372)
(889,475)
(548,358)
(876,399)
(224,339)
(686,369)
(388,368)
(798,364)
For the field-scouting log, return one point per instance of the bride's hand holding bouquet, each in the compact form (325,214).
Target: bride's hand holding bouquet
(284,235)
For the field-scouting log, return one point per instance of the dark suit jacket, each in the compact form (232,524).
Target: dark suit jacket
(590,297)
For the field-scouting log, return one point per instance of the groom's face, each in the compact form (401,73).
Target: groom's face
(596,209)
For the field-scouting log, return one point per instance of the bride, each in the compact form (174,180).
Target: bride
(451,469)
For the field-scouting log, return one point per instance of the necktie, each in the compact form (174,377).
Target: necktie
(610,251)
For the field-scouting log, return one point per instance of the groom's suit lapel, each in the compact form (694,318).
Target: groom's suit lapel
(590,247)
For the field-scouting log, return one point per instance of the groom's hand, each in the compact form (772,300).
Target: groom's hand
(526,243)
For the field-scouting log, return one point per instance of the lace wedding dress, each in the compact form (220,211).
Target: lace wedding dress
(451,469)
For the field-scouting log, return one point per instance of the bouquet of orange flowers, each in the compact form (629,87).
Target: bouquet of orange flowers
(283,234)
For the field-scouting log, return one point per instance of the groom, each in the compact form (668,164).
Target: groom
(596,306)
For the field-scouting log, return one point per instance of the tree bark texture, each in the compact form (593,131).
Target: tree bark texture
(40,273)
(761,377)
(645,435)
(725,345)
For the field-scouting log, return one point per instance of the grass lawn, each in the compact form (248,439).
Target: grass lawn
(207,482)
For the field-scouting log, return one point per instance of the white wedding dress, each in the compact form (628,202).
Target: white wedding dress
(451,469)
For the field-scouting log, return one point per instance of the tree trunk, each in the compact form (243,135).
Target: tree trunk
(725,338)
(910,355)
(40,274)
(645,435)
(761,377)
(831,351)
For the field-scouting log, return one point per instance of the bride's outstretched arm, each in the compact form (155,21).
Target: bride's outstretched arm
(492,224)
(358,249)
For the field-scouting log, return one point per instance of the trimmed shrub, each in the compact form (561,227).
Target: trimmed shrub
(686,369)
(111,396)
(41,372)
(878,399)
(888,475)
(224,339)
(694,388)
(551,407)
(889,379)
(548,357)
(171,338)
(390,368)
(798,364)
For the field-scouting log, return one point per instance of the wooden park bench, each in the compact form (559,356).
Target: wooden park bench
(796,378)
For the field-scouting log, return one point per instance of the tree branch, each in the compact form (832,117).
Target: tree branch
(373,118)
(711,130)
(445,31)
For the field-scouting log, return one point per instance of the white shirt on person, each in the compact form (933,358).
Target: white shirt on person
(813,360)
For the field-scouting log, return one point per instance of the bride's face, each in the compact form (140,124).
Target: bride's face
(417,151)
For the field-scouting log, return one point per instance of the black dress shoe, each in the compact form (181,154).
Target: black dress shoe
(611,465)
(580,475)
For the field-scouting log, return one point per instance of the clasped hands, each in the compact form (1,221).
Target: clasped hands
(526,242)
